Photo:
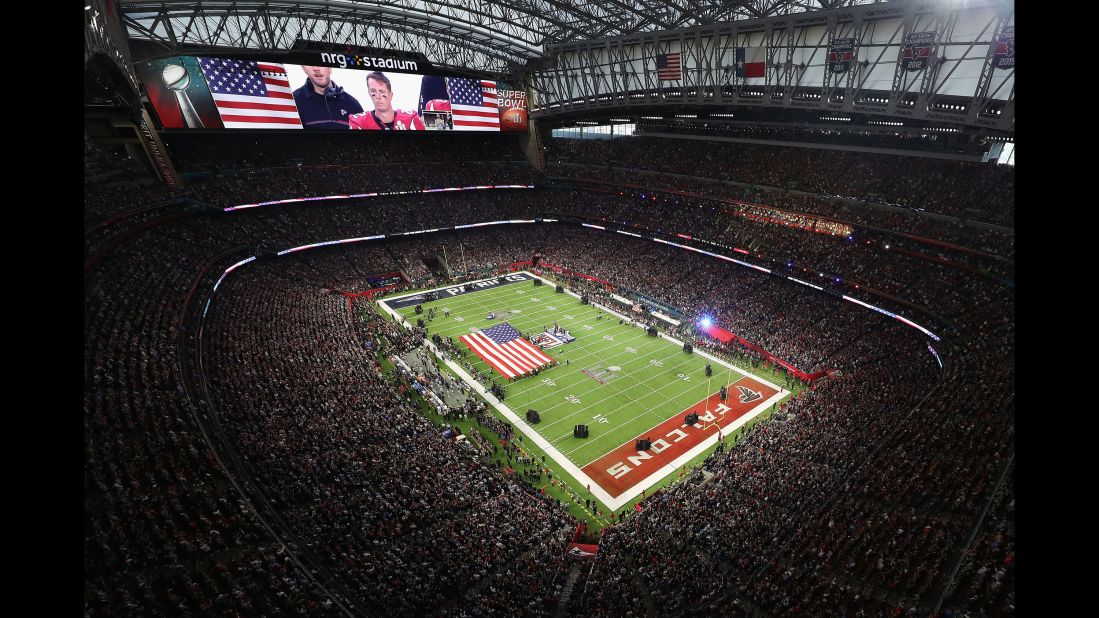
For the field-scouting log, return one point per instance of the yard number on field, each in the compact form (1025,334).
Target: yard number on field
(599,418)
(572,399)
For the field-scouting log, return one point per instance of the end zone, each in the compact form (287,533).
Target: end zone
(625,467)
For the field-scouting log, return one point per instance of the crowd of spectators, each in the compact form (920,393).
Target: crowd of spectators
(985,585)
(977,191)
(913,508)
(272,184)
(909,139)
(823,258)
(843,503)
(230,170)
(853,499)
(116,180)
(166,533)
(721,196)
(410,518)
(228,151)
(105,164)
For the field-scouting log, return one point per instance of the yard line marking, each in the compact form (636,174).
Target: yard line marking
(599,438)
(635,385)
(534,402)
(447,332)
(731,375)
(523,317)
(520,316)
(570,351)
(579,377)
(645,411)
(594,344)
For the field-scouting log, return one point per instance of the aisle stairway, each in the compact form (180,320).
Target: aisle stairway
(566,591)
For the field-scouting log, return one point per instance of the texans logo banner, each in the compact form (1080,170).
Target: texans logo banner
(1003,53)
(841,52)
(916,52)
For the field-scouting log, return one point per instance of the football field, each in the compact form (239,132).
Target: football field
(614,377)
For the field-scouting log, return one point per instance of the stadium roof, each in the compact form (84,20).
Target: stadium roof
(497,35)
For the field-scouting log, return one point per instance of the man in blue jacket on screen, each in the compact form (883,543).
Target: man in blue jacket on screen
(321,103)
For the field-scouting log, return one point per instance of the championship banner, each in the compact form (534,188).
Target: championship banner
(916,51)
(840,54)
(1003,56)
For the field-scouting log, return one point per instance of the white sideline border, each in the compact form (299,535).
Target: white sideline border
(612,503)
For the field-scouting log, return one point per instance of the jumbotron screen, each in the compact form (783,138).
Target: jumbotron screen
(200,92)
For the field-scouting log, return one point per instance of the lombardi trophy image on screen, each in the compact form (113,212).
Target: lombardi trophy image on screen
(177,80)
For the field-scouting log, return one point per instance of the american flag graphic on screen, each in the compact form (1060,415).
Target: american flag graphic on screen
(251,95)
(473,103)
(505,351)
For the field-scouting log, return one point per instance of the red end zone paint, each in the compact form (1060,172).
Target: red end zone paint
(625,466)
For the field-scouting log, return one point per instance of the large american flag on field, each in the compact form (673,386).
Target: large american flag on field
(251,95)
(473,104)
(505,351)
(667,67)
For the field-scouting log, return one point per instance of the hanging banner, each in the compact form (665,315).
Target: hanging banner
(916,52)
(841,52)
(155,149)
(1003,56)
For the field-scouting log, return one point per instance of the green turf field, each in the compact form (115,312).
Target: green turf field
(646,380)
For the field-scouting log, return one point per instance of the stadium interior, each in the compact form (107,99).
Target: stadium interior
(285,413)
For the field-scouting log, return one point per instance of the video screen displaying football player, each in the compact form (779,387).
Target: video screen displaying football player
(384,117)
